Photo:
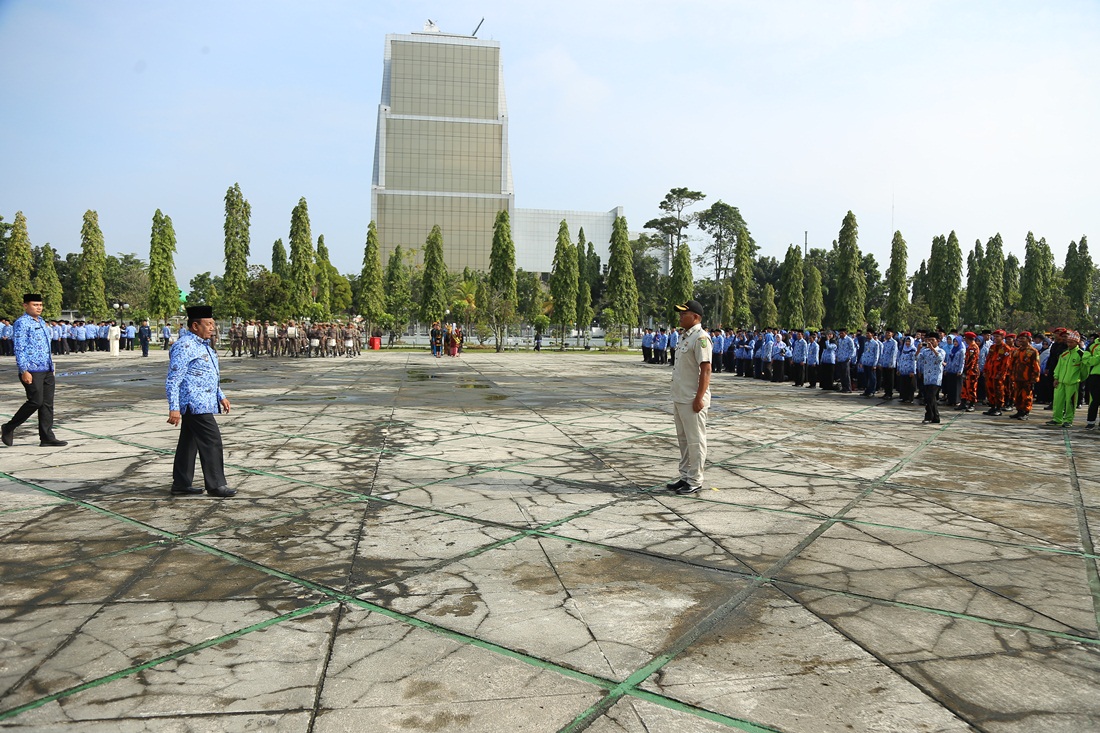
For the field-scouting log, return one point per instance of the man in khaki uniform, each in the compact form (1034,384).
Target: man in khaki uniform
(691,398)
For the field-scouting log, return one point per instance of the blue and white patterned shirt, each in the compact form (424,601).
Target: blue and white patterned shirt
(845,349)
(872,350)
(930,365)
(193,377)
(31,338)
(888,359)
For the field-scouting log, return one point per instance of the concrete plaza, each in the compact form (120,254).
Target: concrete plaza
(485,544)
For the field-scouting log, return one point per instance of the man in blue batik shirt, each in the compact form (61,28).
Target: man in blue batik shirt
(872,351)
(31,339)
(845,352)
(194,397)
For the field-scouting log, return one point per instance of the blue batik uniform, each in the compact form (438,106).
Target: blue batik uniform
(798,351)
(193,377)
(32,345)
(812,350)
(660,341)
(907,361)
(828,356)
(930,364)
(956,361)
(888,358)
(845,349)
(872,350)
(647,341)
(673,339)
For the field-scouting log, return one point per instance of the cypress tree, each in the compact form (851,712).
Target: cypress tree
(301,282)
(582,278)
(91,291)
(399,302)
(324,278)
(48,284)
(433,283)
(279,265)
(1078,275)
(815,299)
(742,277)
(681,281)
(164,291)
(18,261)
(1037,277)
(791,278)
(897,287)
(851,283)
(769,315)
(991,303)
(503,298)
(1010,283)
(238,216)
(945,280)
(621,291)
(371,297)
(975,285)
(563,281)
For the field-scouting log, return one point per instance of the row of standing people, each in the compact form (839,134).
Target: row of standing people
(81,337)
(289,338)
(445,339)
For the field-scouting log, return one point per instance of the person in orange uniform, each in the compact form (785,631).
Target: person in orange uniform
(970,372)
(996,366)
(1023,371)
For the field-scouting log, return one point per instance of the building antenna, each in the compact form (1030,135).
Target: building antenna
(474,34)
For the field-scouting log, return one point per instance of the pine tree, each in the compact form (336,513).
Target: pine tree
(621,291)
(399,301)
(768,313)
(433,283)
(681,282)
(164,291)
(815,300)
(92,296)
(563,281)
(503,303)
(991,303)
(18,261)
(323,286)
(279,266)
(48,284)
(897,286)
(851,283)
(1078,275)
(301,283)
(1037,276)
(238,216)
(791,303)
(742,277)
(371,302)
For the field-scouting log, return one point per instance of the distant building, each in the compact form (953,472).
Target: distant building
(441,157)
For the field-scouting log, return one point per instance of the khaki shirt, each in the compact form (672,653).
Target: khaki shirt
(694,349)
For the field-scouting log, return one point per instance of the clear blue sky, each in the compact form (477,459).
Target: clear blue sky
(980,117)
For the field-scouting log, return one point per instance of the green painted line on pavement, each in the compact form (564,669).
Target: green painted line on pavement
(1091,570)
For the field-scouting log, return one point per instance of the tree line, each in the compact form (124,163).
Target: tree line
(834,287)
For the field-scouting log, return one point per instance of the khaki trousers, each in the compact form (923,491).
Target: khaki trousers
(691,434)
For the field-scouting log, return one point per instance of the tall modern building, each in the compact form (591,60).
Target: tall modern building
(441,157)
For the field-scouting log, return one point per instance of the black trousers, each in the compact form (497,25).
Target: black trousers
(39,399)
(1092,384)
(906,387)
(844,374)
(931,394)
(199,434)
(826,373)
(145,347)
(886,379)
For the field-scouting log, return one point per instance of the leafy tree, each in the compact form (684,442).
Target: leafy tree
(594,272)
(1036,279)
(875,297)
(647,279)
(897,286)
(621,292)
(433,290)
(280,268)
(323,287)
(563,281)
(769,316)
(93,263)
(530,298)
(1078,277)
(921,287)
(503,302)
(582,279)
(399,300)
(673,223)
(584,312)
(371,302)
(919,315)
(791,302)
(945,280)
(164,291)
(18,261)
(743,252)
(815,303)
(340,294)
(126,280)
(47,283)
(851,282)
(723,223)
(1010,283)
(238,215)
(203,291)
(990,302)
(301,282)
(681,284)
(975,272)
(268,298)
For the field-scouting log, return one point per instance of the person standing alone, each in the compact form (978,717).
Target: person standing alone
(691,398)
(31,342)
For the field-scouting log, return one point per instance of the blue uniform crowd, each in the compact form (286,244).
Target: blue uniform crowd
(79,337)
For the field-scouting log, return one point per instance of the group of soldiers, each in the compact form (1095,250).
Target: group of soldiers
(266,338)
(1000,370)
(77,337)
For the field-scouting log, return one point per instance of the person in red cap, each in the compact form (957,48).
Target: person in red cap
(970,372)
(996,366)
(1023,373)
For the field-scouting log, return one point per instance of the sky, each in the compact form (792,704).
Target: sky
(921,116)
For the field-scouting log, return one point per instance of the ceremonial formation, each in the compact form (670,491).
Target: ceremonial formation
(1003,371)
(289,338)
(81,337)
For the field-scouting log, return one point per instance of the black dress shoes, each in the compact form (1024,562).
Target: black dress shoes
(52,442)
(6,435)
(688,490)
(222,491)
(186,491)
(678,484)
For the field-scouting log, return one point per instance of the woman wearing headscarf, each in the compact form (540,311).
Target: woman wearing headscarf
(952,372)
(907,370)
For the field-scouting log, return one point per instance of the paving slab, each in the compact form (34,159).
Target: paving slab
(485,544)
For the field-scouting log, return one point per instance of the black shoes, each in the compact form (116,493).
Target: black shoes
(687,490)
(185,491)
(6,435)
(222,492)
(52,442)
(679,483)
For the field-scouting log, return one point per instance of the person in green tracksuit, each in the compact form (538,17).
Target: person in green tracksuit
(1067,379)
